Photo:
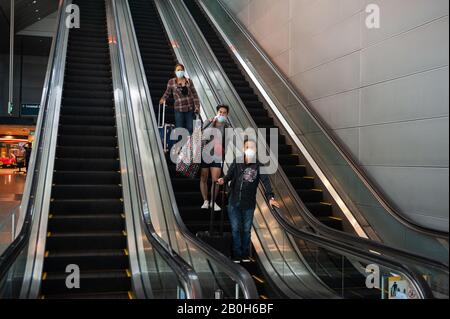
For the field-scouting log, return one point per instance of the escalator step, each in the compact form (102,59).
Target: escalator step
(302,182)
(86,191)
(310,195)
(87,152)
(88,79)
(94,260)
(98,206)
(320,209)
(88,120)
(86,178)
(86,164)
(67,130)
(88,101)
(87,111)
(90,282)
(86,241)
(88,223)
(78,140)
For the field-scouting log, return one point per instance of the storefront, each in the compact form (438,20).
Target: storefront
(13,151)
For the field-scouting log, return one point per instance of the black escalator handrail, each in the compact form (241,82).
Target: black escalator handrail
(361,173)
(236,272)
(420,283)
(183,270)
(11,253)
(363,243)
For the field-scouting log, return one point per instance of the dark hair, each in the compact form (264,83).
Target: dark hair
(223,106)
(181,65)
(249,140)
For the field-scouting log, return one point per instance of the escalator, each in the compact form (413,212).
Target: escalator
(306,187)
(331,269)
(86,225)
(159,61)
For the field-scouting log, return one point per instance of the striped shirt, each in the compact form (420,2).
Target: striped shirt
(182,103)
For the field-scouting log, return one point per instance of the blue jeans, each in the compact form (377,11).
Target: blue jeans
(241,227)
(185,120)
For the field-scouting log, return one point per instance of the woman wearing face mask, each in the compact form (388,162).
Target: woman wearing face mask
(212,162)
(186,99)
(244,175)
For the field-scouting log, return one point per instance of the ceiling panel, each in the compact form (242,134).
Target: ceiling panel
(27,12)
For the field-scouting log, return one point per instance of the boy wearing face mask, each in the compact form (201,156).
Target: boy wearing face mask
(245,177)
(214,164)
(186,99)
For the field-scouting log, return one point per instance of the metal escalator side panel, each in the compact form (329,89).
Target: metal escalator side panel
(159,266)
(36,193)
(136,247)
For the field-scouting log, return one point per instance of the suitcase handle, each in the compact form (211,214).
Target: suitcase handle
(161,117)
(212,211)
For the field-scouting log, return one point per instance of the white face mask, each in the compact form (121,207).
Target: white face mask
(180,74)
(250,154)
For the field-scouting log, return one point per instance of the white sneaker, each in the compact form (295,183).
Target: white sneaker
(217,208)
(205,204)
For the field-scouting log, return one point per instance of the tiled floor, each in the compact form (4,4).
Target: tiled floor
(11,189)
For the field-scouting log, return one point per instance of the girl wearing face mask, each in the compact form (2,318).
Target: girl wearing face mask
(186,98)
(245,176)
(214,130)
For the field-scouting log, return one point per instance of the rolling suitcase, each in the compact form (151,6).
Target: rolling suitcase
(165,129)
(218,239)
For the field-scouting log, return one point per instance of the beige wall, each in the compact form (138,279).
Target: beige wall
(384,92)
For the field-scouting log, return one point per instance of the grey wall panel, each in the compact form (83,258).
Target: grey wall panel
(420,143)
(412,13)
(336,77)
(427,192)
(340,110)
(418,50)
(424,95)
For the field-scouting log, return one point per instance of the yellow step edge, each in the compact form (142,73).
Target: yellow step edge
(317,190)
(128,273)
(125,251)
(50,216)
(124,233)
(336,218)
(130,295)
(309,177)
(49,234)
(258,279)
(327,204)
(46,254)
(263,297)
(44,276)
(123,216)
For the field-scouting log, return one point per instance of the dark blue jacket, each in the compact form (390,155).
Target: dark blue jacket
(245,179)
